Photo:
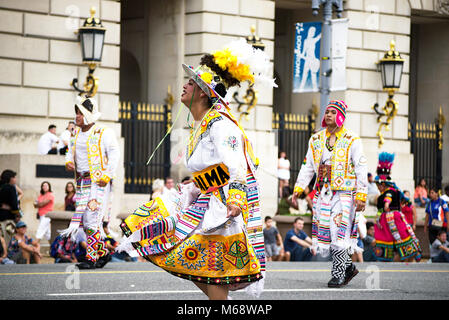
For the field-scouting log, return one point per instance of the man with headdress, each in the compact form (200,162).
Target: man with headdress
(93,155)
(395,238)
(336,156)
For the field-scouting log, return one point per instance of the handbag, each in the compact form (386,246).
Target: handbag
(437,223)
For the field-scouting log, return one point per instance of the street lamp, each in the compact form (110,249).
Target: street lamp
(391,69)
(91,37)
(390,66)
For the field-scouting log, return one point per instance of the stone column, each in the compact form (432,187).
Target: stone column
(372,25)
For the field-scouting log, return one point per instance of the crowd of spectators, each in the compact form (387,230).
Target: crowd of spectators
(51,143)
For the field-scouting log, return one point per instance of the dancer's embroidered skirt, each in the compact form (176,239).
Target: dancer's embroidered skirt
(195,241)
(395,234)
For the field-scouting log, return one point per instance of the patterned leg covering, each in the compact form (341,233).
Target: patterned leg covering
(95,246)
(349,260)
(339,261)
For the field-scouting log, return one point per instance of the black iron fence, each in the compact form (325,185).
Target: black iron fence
(293,134)
(426,141)
(143,126)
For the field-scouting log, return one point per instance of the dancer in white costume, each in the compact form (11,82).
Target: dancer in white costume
(209,231)
(93,154)
(336,156)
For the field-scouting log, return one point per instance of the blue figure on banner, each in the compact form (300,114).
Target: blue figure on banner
(308,57)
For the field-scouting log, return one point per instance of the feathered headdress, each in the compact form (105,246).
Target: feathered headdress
(384,167)
(237,62)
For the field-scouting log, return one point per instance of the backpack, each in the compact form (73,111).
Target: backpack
(54,247)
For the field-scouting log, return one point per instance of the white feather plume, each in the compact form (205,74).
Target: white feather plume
(257,60)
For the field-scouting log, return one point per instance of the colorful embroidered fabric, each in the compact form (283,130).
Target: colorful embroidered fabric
(211,178)
(343,174)
(83,203)
(393,233)
(95,246)
(94,155)
(237,196)
(239,258)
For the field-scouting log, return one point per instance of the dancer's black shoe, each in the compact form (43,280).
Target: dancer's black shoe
(103,260)
(350,273)
(86,265)
(336,282)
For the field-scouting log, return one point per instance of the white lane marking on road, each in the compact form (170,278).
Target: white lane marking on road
(199,291)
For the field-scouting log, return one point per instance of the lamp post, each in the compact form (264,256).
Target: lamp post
(91,36)
(326,68)
(390,66)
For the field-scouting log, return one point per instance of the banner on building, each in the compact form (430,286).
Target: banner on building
(339,36)
(306,57)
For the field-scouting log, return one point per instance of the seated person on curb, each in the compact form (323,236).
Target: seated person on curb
(439,251)
(109,242)
(81,246)
(369,243)
(4,252)
(373,191)
(274,247)
(285,203)
(22,249)
(66,251)
(297,243)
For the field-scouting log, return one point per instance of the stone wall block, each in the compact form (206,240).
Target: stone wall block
(257,8)
(361,59)
(51,26)
(265,29)
(26,5)
(384,6)
(360,101)
(48,75)
(78,8)
(203,22)
(61,104)
(11,21)
(112,35)
(23,101)
(237,25)
(110,11)
(11,72)
(26,48)
(371,80)
(377,41)
(65,52)
(228,7)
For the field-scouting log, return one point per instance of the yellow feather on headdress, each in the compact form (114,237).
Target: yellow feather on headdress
(227,61)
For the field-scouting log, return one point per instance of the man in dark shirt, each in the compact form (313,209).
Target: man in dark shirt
(9,204)
(369,243)
(297,243)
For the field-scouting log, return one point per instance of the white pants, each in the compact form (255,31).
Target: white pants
(93,219)
(44,229)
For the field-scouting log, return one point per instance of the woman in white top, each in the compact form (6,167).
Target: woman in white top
(283,172)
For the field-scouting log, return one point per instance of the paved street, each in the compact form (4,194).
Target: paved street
(284,281)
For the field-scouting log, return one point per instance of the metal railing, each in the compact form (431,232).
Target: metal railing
(426,142)
(293,132)
(143,126)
